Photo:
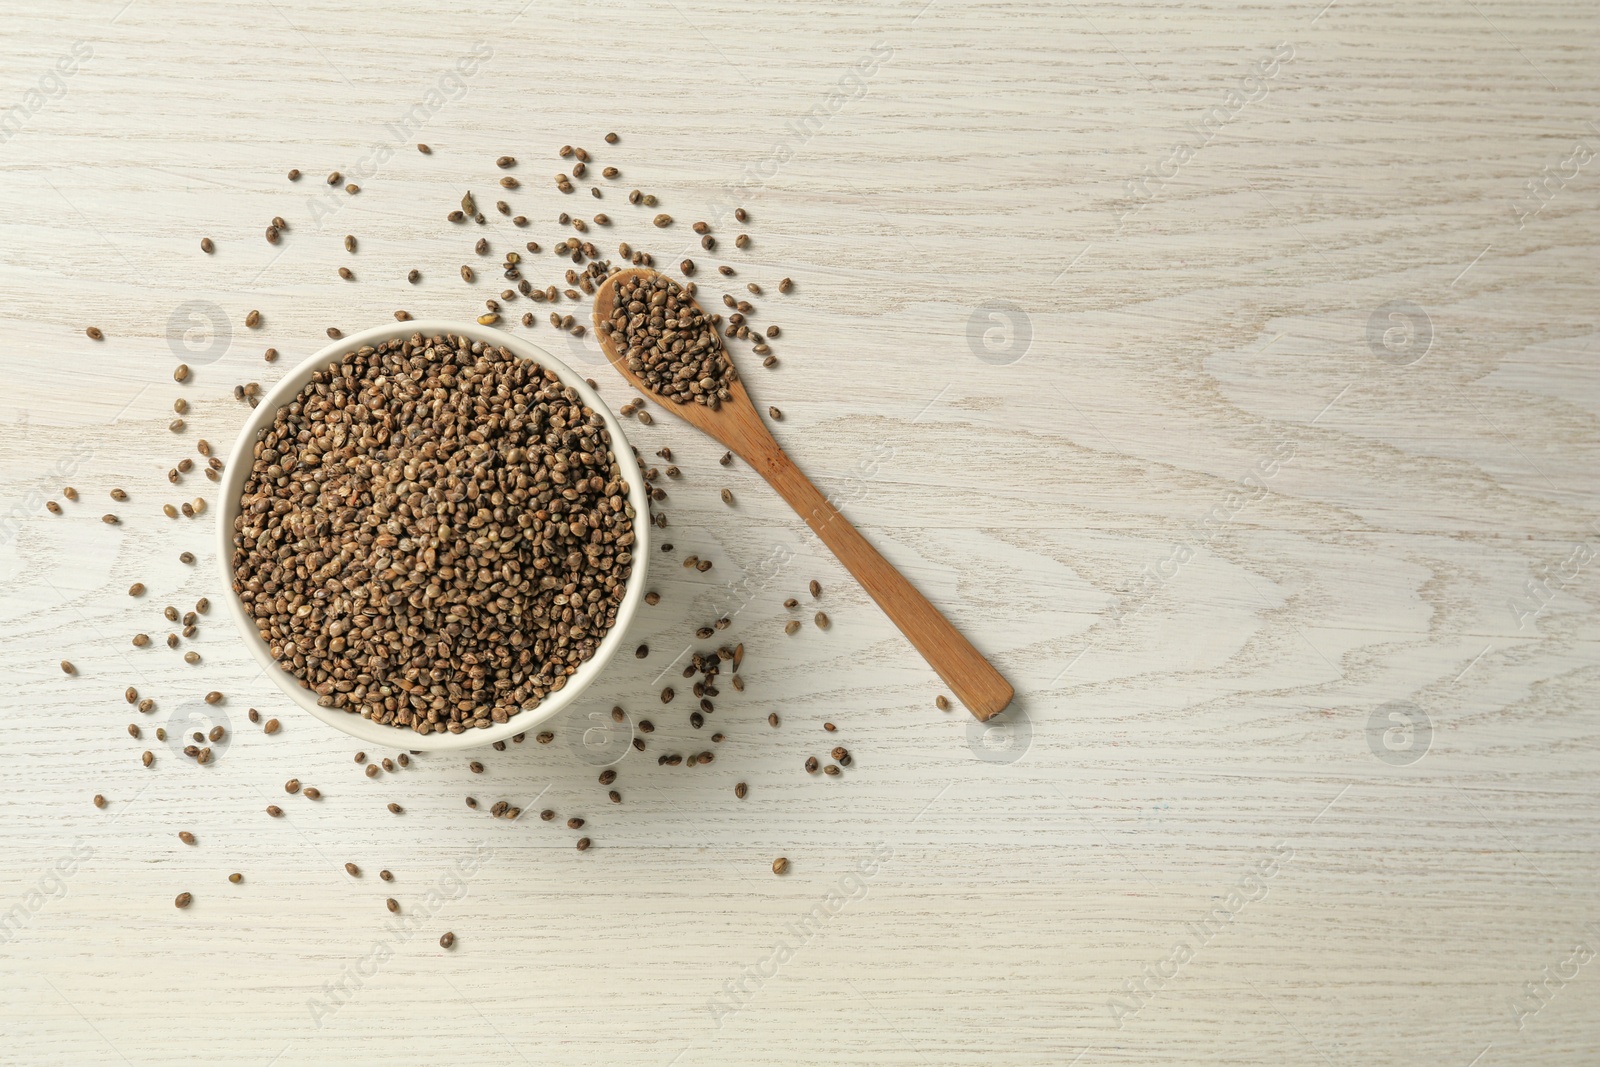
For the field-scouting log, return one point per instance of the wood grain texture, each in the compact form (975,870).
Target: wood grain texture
(1240,401)
(741,428)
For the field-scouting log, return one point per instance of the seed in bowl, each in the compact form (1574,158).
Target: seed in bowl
(434,534)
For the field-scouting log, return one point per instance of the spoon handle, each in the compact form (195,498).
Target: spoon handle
(972,678)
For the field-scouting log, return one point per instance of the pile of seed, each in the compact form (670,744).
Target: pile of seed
(669,342)
(434,534)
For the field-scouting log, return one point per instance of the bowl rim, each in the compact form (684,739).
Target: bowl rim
(240,462)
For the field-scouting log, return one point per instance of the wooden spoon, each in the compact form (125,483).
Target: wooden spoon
(738,426)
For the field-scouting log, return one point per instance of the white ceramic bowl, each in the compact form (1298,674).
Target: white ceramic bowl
(372,733)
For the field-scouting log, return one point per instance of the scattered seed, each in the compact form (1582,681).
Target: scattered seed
(821,620)
(447,940)
(791,627)
(186,837)
(780,865)
(148,758)
(184,900)
(772,720)
(274,811)
(271,726)
(583,844)
(941,702)
(392,904)
(811,765)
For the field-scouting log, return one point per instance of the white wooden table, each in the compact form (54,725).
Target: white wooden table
(1229,373)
